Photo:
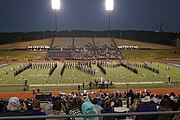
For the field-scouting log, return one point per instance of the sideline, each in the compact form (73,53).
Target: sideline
(75,84)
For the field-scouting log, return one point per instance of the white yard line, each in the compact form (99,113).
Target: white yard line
(115,74)
(131,77)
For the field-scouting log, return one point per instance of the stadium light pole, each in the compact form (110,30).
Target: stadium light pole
(109,8)
(55,7)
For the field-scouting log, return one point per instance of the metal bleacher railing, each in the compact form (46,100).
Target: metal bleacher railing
(89,115)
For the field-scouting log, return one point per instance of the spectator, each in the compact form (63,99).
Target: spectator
(98,107)
(57,110)
(170,100)
(100,102)
(88,108)
(73,109)
(1,106)
(108,109)
(117,101)
(175,107)
(173,97)
(165,105)
(130,96)
(154,99)
(36,109)
(176,116)
(134,105)
(146,106)
(14,108)
(47,108)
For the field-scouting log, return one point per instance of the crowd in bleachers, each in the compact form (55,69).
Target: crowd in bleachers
(94,103)
(59,54)
(107,53)
(99,49)
(97,53)
(84,55)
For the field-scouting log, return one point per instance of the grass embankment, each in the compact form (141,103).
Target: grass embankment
(23,45)
(142,44)
(152,54)
(158,51)
(8,54)
(22,55)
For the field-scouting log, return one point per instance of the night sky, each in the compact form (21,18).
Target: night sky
(37,15)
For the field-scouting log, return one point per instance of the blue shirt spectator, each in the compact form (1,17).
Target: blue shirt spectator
(146,106)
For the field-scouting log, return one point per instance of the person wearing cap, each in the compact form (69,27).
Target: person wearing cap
(15,108)
(146,106)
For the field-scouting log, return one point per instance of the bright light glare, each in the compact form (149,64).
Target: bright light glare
(109,4)
(55,4)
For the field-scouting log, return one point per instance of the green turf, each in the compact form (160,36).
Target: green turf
(117,74)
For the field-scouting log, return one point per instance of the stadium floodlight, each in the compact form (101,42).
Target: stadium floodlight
(55,5)
(109,5)
(109,8)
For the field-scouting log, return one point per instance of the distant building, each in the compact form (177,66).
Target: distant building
(128,47)
(178,43)
(38,48)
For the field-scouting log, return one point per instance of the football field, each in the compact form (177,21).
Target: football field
(38,76)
